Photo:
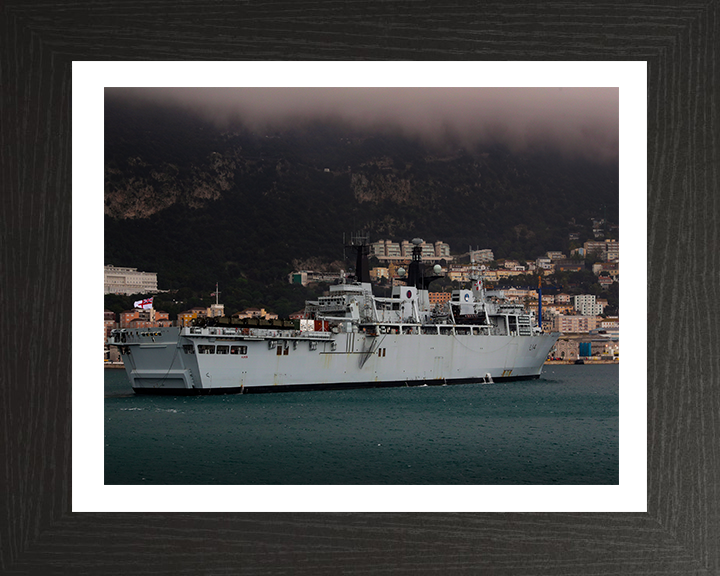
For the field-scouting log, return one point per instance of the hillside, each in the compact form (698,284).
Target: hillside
(198,205)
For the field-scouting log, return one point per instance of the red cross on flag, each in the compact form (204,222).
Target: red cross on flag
(144,304)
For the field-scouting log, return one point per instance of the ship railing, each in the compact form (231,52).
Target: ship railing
(257,333)
(389,328)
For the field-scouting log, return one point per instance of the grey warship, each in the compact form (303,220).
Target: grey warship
(348,339)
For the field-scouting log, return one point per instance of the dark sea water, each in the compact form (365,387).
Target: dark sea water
(560,429)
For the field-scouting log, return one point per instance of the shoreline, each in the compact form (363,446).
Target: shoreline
(114,365)
(586,361)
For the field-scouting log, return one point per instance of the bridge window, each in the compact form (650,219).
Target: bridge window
(188,349)
(222,349)
(238,350)
(206,349)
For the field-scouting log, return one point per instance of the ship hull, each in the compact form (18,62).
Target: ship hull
(221,361)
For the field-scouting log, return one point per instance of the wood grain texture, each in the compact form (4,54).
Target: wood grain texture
(681,531)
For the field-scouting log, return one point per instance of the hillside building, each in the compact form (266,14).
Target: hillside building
(606,269)
(439,297)
(144,318)
(574,324)
(484,255)
(212,311)
(587,305)
(378,272)
(387,250)
(109,322)
(573,348)
(305,277)
(569,265)
(185,318)
(459,273)
(255,313)
(612,250)
(606,250)
(544,263)
(119,280)
(611,324)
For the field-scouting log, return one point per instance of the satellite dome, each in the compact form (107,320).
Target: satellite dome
(401,272)
(437,268)
(417,241)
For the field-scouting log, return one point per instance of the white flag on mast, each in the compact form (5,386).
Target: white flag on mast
(144,304)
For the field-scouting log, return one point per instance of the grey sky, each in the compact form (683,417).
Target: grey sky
(572,120)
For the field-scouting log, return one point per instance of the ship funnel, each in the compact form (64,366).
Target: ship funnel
(359,242)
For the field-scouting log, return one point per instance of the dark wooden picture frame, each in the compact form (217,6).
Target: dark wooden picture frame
(38,532)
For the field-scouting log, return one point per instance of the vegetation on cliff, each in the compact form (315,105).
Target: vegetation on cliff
(200,205)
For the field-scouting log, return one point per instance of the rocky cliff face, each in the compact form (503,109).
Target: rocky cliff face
(301,187)
(142,189)
(377,188)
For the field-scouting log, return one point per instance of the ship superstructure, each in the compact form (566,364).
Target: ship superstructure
(348,339)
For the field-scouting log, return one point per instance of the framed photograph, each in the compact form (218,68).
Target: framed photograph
(666,520)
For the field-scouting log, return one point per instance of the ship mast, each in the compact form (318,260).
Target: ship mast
(217,294)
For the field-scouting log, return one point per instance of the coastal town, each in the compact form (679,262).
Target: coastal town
(588,325)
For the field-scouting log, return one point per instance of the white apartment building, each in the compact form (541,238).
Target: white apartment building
(485,255)
(386,250)
(119,280)
(442,250)
(543,263)
(610,324)
(305,277)
(587,305)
